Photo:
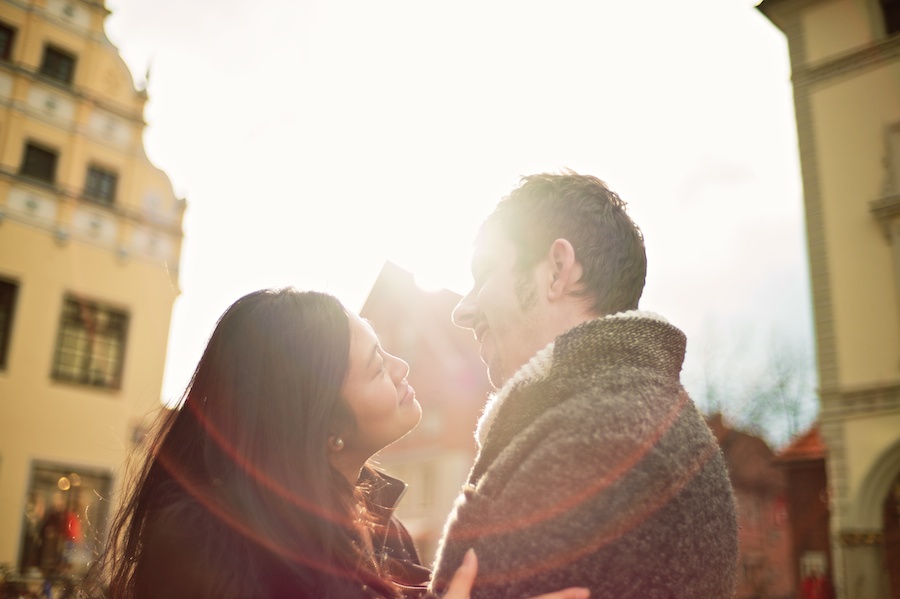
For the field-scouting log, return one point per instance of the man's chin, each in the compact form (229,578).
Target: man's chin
(496,376)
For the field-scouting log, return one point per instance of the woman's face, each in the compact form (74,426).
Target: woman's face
(377,392)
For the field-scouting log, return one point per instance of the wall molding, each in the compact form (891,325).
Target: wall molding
(884,51)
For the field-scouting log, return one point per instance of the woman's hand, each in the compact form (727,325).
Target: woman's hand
(464,578)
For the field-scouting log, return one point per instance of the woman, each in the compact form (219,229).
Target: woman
(258,485)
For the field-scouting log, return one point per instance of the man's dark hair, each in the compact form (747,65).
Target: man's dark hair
(582,210)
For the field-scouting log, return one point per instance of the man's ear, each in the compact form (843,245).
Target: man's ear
(565,270)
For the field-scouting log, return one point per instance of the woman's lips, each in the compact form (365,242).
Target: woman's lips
(409,395)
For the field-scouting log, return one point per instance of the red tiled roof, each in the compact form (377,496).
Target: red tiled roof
(808,446)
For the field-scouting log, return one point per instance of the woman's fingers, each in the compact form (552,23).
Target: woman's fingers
(462,580)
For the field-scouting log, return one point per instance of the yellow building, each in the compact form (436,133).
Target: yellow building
(90,239)
(845,58)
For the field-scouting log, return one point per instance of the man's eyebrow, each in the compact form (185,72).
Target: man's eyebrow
(480,266)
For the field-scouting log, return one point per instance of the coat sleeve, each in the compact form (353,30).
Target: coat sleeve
(603,502)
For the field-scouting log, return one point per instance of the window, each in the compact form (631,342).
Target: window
(91,344)
(7,35)
(58,65)
(100,185)
(65,518)
(39,163)
(891,10)
(8,291)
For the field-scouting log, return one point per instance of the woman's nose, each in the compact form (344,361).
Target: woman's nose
(400,368)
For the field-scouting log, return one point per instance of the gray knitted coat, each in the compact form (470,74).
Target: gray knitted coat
(595,469)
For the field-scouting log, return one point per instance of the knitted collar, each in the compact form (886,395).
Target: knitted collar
(537,368)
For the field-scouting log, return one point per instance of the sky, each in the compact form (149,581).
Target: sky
(314,140)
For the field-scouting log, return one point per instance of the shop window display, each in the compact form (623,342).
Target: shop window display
(64,522)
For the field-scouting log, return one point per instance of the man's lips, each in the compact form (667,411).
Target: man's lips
(480,330)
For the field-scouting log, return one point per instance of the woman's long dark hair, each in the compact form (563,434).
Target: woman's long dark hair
(241,466)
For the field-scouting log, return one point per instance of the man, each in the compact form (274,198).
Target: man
(594,467)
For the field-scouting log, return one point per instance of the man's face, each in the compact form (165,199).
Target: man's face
(502,308)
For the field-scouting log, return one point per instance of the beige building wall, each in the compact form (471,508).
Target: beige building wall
(850,153)
(846,74)
(60,240)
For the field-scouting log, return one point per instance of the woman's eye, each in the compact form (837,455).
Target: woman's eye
(382,365)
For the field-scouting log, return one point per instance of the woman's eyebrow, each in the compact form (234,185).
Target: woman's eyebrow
(372,355)
(377,343)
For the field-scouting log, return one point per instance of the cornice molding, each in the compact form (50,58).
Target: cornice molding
(884,51)
(98,5)
(170,227)
(78,92)
(858,538)
(861,401)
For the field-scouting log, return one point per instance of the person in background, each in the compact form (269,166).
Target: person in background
(814,585)
(594,466)
(59,535)
(259,484)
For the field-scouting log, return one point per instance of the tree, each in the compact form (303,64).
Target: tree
(782,400)
(768,389)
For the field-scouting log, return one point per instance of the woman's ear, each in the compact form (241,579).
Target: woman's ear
(565,270)
(335,443)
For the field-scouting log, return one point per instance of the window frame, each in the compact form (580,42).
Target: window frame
(890,14)
(9,293)
(6,50)
(96,182)
(77,359)
(62,67)
(28,158)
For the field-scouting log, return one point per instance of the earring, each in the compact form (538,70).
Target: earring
(337,444)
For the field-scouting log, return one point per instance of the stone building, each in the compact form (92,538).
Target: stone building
(845,63)
(803,463)
(90,241)
(764,533)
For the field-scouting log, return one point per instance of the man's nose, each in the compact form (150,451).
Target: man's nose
(464,313)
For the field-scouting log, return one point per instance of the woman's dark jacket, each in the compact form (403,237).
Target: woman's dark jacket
(174,564)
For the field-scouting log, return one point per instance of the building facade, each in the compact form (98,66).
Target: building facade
(803,463)
(845,62)
(764,569)
(90,240)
